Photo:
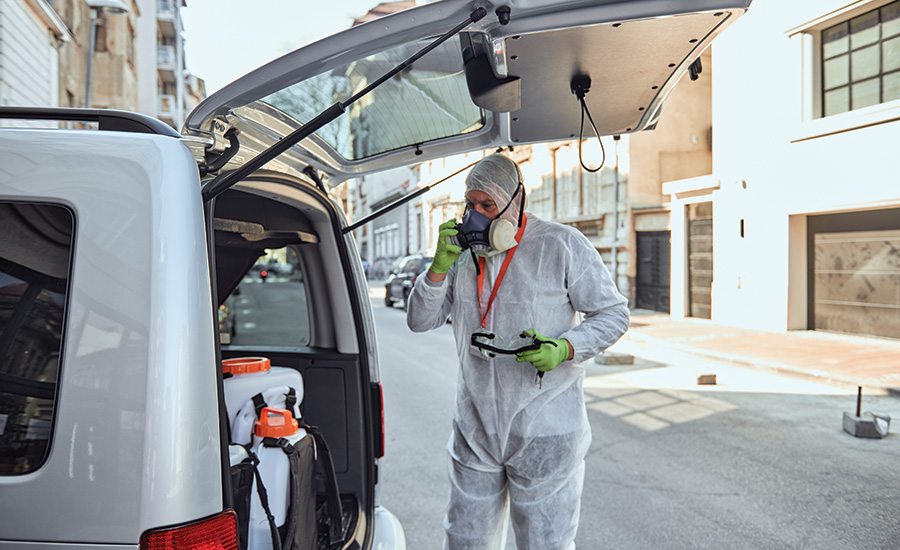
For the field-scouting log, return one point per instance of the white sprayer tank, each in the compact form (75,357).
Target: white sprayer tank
(250,376)
(275,471)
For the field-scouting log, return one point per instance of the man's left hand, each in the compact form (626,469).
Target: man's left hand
(552,352)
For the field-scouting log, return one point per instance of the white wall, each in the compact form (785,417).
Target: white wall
(145,64)
(180,115)
(29,62)
(790,166)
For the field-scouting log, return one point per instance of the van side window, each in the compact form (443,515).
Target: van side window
(35,260)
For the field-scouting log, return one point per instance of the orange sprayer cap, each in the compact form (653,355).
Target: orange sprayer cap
(275,423)
(245,365)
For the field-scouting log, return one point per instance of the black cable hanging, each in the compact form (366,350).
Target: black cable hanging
(584,109)
(581,85)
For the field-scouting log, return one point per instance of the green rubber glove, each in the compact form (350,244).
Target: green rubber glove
(552,352)
(445,253)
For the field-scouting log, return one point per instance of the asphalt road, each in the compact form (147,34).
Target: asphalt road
(756,462)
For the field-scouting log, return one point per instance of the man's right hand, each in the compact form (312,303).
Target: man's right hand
(445,253)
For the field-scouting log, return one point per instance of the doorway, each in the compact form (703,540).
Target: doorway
(653,261)
(700,259)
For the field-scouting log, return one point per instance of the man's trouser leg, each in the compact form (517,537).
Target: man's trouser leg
(545,483)
(476,515)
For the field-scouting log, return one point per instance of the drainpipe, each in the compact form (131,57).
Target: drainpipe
(615,263)
(553,152)
(90,58)
(97,6)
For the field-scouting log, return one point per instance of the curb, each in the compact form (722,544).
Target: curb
(637,339)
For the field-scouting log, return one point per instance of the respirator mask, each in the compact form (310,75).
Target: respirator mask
(485,236)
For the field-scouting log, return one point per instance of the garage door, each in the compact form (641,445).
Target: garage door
(856,274)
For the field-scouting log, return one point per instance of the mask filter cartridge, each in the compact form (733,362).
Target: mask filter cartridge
(502,235)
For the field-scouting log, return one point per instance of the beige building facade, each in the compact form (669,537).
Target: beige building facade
(113,76)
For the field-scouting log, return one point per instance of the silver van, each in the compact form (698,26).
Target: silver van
(123,249)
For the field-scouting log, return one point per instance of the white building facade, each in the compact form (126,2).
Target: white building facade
(162,76)
(798,227)
(30,34)
(384,240)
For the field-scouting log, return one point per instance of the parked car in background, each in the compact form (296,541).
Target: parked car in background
(401,280)
(380,269)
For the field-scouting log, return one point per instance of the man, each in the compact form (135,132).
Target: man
(520,429)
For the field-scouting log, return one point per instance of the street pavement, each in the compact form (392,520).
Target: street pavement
(839,360)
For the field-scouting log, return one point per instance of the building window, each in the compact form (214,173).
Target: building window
(861,61)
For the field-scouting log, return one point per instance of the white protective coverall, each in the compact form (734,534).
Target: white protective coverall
(512,436)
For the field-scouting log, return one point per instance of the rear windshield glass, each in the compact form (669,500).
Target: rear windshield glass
(426,101)
(35,245)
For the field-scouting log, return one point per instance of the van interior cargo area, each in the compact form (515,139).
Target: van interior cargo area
(248,223)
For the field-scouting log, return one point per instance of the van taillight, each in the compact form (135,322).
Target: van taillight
(217,532)
(378,399)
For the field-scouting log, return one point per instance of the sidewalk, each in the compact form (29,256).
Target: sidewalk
(836,359)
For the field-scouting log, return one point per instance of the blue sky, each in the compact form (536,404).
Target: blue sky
(226,39)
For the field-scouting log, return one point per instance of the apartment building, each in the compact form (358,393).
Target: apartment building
(166,87)
(97,68)
(803,203)
(385,239)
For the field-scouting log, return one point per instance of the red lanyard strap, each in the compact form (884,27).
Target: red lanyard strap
(509,256)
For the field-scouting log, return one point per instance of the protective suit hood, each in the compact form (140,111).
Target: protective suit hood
(499,177)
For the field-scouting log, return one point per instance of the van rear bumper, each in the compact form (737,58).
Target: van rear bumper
(388,532)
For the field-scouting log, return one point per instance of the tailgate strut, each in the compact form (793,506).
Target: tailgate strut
(405,199)
(220,184)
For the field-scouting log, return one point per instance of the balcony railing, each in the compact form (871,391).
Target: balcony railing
(165,9)
(167,19)
(165,57)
